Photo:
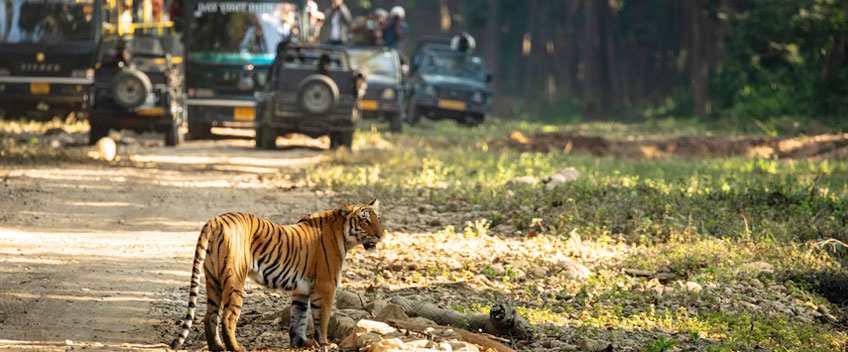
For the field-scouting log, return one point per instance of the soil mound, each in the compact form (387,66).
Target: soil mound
(818,146)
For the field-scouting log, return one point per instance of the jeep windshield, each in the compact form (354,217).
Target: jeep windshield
(453,63)
(238,32)
(46,21)
(375,62)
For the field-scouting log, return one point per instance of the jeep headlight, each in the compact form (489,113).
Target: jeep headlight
(388,94)
(430,90)
(477,97)
(89,73)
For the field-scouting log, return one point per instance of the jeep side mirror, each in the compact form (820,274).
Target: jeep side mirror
(488,78)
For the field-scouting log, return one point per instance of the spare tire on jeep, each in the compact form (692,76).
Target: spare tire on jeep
(317,94)
(131,88)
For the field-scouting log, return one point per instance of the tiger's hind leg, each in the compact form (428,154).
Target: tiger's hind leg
(297,330)
(232,300)
(210,322)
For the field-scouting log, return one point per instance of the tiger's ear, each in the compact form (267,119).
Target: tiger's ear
(375,204)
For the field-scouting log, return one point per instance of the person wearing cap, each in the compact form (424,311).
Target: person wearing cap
(395,29)
(463,42)
(340,19)
(368,30)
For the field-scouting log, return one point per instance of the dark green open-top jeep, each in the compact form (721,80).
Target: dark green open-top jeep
(448,84)
(312,91)
(137,87)
(384,74)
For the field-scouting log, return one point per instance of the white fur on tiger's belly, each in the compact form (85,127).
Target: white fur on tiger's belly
(301,286)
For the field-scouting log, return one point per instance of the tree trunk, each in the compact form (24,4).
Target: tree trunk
(491,41)
(698,63)
(590,61)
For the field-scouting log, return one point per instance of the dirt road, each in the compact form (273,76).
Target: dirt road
(86,250)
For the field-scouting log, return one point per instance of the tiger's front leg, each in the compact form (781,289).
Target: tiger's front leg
(322,306)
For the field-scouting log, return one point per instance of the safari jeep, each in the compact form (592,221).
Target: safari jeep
(384,74)
(137,87)
(312,91)
(448,84)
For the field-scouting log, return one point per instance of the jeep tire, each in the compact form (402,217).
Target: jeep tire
(341,139)
(131,88)
(396,122)
(96,132)
(199,130)
(173,136)
(317,94)
(266,138)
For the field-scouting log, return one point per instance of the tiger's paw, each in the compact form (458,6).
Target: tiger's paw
(297,341)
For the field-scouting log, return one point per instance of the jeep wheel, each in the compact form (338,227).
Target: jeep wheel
(97,132)
(199,130)
(341,139)
(317,94)
(266,138)
(131,88)
(472,120)
(412,116)
(173,136)
(396,122)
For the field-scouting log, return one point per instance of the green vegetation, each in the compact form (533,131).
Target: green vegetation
(698,220)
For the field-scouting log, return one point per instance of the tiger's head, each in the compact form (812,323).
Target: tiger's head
(362,224)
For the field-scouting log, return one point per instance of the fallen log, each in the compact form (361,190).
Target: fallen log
(503,320)
(466,335)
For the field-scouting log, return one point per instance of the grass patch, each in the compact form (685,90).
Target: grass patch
(700,219)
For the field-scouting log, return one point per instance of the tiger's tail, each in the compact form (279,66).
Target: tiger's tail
(199,256)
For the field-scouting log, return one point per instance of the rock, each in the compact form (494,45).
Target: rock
(520,264)
(387,345)
(435,222)
(349,343)
(637,272)
(554,343)
(375,326)
(563,176)
(391,311)
(590,345)
(572,270)
(539,272)
(367,339)
(461,346)
(339,326)
(665,276)
(692,286)
(375,306)
(348,300)
(422,320)
(755,268)
(69,342)
(523,180)
(498,268)
(105,149)
(517,274)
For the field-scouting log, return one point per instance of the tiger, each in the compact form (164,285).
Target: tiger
(305,259)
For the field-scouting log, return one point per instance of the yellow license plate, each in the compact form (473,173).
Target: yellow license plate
(244,114)
(151,111)
(368,104)
(39,88)
(452,104)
